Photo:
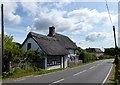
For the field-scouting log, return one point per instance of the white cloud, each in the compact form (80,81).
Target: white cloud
(92,16)
(30,7)
(47,19)
(98,36)
(10,10)
(75,21)
(57,19)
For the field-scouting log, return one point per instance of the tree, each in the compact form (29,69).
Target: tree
(110,51)
(11,52)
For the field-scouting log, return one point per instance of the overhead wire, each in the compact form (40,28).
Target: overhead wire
(109,12)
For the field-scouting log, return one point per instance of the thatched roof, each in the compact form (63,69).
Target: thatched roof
(53,45)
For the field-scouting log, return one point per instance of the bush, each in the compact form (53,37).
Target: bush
(106,57)
(34,57)
(86,56)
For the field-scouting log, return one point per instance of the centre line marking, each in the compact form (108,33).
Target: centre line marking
(98,64)
(58,81)
(92,67)
(80,72)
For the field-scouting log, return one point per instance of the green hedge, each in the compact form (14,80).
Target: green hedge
(88,57)
(106,57)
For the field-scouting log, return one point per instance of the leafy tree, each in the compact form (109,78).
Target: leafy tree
(110,51)
(11,52)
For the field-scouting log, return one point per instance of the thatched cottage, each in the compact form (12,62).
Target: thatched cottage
(58,48)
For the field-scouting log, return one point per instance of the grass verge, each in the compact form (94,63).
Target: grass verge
(20,72)
(80,64)
(111,79)
(119,77)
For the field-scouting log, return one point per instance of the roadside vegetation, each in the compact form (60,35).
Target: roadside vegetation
(111,80)
(85,56)
(118,76)
(111,52)
(15,61)
(29,71)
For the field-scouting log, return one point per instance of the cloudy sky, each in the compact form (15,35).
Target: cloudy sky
(86,23)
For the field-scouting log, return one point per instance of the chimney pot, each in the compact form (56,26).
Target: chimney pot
(51,31)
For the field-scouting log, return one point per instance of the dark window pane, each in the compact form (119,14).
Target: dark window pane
(28,46)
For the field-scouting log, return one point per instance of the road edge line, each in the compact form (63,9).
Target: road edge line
(107,75)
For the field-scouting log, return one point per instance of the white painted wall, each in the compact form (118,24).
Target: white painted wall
(65,61)
(46,62)
(71,51)
(53,67)
(34,45)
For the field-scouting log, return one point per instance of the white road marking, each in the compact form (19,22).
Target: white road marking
(79,72)
(107,75)
(37,76)
(92,67)
(98,64)
(21,79)
(58,81)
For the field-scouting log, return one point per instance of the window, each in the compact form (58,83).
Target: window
(53,60)
(28,46)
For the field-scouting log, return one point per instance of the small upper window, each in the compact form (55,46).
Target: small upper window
(28,46)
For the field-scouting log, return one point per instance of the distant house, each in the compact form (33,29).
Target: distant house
(97,51)
(58,48)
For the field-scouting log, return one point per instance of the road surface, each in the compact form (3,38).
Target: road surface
(96,72)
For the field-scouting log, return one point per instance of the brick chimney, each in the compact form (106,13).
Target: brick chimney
(51,31)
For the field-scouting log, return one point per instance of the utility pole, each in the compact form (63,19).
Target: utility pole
(116,58)
(116,48)
(2,31)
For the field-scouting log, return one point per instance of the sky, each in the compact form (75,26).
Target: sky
(86,23)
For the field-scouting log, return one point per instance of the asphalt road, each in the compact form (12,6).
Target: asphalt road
(96,72)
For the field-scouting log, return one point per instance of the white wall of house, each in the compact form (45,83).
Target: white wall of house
(65,61)
(61,62)
(53,67)
(46,62)
(34,45)
(71,51)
